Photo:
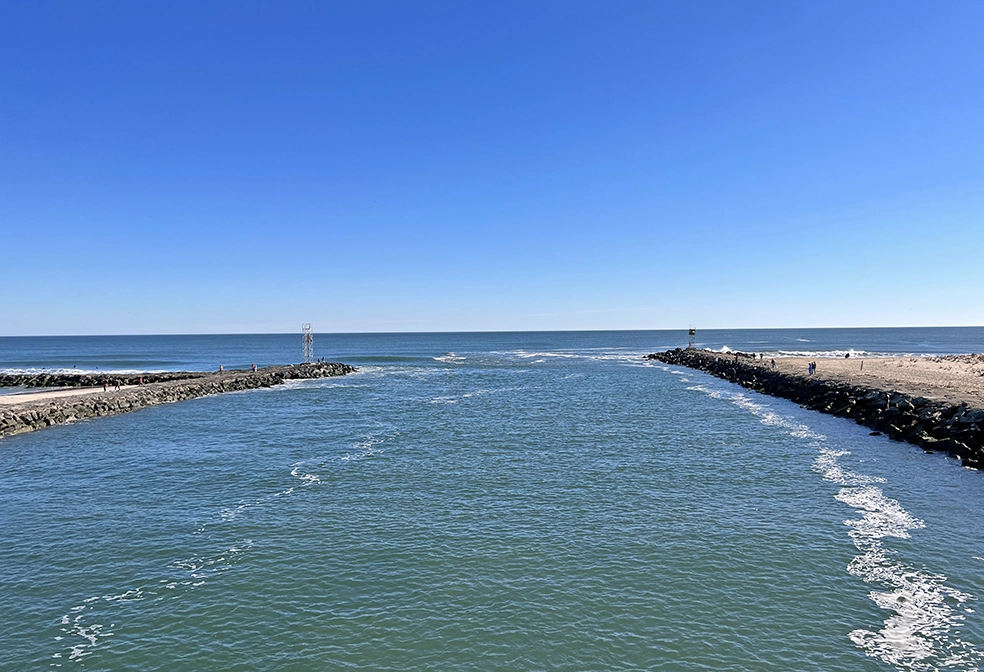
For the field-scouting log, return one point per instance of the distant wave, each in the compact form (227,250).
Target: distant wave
(450,358)
(831,354)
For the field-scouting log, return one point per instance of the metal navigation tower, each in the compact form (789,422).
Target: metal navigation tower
(307,341)
(693,339)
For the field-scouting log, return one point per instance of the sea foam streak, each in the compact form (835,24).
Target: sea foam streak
(188,573)
(924,611)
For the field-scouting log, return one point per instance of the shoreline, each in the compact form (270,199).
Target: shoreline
(936,402)
(30,411)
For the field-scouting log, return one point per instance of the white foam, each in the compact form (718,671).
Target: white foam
(450,358)
(919,633)
(305,478)
(589,354)
(364,449)
(831,354)
(820,354)
(229,514)
(76,628)
(882,517)
(713,394)
(128,596)
(559,354)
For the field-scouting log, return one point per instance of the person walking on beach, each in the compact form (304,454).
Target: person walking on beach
(105,385)
(254,368)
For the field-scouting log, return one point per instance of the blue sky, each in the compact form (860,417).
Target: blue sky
(210,167)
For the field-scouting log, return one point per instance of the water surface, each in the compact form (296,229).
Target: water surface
(485,501)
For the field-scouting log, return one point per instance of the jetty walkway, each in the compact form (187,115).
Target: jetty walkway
(79,397)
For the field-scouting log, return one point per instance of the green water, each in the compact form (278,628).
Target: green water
(477,504)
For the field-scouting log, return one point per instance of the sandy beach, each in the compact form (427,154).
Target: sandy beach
(958,379)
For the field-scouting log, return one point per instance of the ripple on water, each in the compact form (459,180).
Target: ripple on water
(577,511)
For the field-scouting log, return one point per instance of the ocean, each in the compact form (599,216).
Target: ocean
(486,501)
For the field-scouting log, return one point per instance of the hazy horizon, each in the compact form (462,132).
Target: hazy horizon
(490,331)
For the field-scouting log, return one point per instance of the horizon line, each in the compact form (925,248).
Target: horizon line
(482,331)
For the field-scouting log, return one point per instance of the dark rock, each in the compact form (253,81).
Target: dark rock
(936,426)
(157,389)
(973,416)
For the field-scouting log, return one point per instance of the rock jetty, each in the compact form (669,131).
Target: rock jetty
(936,426)
(93,380)
(90,401)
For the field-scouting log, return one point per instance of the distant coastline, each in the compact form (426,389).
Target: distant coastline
(936,402)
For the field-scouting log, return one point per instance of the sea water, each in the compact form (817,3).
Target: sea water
(484,501)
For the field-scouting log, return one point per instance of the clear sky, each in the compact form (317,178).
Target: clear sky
(210,167)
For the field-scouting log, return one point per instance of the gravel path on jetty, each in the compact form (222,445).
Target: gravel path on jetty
(934,402)
(30,411)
